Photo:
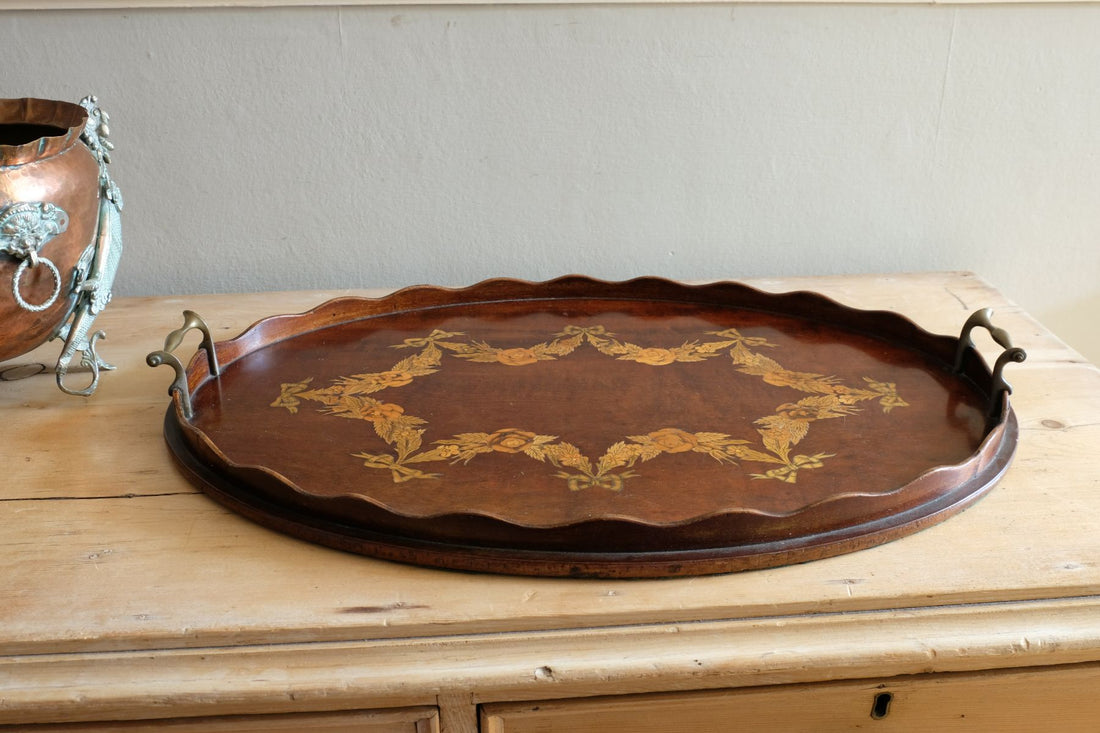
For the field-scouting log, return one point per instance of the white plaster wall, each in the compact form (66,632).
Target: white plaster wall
(373,146)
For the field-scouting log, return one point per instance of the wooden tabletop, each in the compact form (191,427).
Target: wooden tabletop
(107,553)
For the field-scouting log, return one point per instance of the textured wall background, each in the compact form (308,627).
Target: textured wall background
(376,146)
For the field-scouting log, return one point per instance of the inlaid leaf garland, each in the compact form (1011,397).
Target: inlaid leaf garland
(779,433)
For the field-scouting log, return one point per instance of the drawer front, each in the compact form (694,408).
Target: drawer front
(1063,699)
(404,720)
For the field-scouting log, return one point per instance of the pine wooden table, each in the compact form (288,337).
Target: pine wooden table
(126,595)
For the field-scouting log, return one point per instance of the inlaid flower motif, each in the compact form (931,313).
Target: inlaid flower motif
(796,412)
(510,440)
(517,357)
(449,450)
(674,440)
(394,378)
(383,411)
(655,356)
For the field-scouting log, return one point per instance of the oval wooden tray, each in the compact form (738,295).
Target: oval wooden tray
(586,428)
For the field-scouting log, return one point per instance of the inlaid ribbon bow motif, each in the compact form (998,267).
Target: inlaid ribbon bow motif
(778,434)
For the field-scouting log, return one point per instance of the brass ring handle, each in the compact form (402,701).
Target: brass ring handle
(30,262)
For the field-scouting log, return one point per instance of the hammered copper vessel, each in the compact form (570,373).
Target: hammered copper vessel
(59,233)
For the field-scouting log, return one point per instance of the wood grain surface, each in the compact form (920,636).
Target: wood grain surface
(1002,702)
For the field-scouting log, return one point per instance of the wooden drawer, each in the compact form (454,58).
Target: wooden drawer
(1062,699)
(404,720)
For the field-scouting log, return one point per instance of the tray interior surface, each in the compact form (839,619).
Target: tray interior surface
(547,413)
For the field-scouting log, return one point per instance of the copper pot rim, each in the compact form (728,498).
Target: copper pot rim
(30,110)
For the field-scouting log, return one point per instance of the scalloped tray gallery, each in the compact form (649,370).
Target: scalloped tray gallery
(585,428)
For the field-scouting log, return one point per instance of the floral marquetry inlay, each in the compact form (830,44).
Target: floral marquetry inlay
(771,448)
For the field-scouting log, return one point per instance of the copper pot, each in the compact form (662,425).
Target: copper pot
(53,224)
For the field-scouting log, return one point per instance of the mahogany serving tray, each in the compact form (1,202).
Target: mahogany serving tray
(586,428)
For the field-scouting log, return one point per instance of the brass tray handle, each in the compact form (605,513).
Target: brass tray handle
(1000,388)
(191,321)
